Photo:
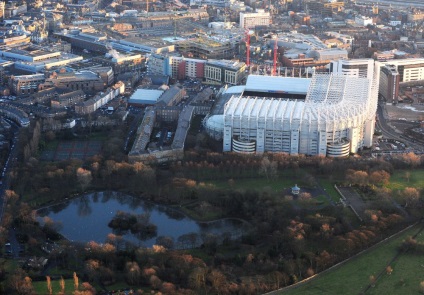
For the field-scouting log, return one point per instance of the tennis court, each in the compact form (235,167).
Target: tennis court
(73,150)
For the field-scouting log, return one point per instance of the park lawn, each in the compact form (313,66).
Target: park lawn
(320,201)
(408,272)
(40,287)
(353,277)
(328,185)
(10,265)
(51,145)
(398,180)
(201,216)
(258,184)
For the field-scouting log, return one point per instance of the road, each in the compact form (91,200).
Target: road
(9,164)
(394,3)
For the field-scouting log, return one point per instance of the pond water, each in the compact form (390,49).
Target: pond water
(86,219)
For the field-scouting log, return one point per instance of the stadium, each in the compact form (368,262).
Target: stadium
(329,114)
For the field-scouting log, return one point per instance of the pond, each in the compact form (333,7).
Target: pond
(86,219)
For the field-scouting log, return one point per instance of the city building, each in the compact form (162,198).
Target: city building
(99,100)
(122,63)
(415,15)
(158,64)
(14,38)
(177,67)
(389,83)
(86,81)
(34,59)
(224,72)
(67,99)
(171,97)
(2,6)
(329,54)
(328,114)
(363,21)
(353,67)
(409,69)
(212,47)
(255,19)
(182,68)
(26,84)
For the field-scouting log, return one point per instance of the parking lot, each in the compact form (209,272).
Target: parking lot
(387,145)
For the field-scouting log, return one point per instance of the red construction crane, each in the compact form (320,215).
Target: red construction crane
(274,68)
(247,40)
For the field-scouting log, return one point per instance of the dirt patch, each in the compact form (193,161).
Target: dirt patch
(407,112)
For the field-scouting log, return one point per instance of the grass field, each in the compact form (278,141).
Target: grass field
(258,184)
(398,181)
(353,277)
(41,286)
(408,272)
(329,188)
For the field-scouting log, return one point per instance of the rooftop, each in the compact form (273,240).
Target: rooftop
(145,95)
(273,84)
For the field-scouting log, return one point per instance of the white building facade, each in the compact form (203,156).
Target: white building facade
(354,67)
(251,20)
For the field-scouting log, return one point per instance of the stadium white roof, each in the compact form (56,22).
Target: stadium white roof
(273,84)
(333,97)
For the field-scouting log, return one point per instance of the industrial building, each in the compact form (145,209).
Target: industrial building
(329,115)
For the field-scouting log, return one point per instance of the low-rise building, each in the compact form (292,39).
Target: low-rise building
(122,63)
(91,105)
(26,84)
(86,81)
(171,97)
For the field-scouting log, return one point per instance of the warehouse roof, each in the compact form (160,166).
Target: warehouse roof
(145,96)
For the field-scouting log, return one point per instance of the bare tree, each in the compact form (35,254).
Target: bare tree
(49,285)
(76,283)
(62,285)
(410,195)
(84,178)
(268,168)
(133,273)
